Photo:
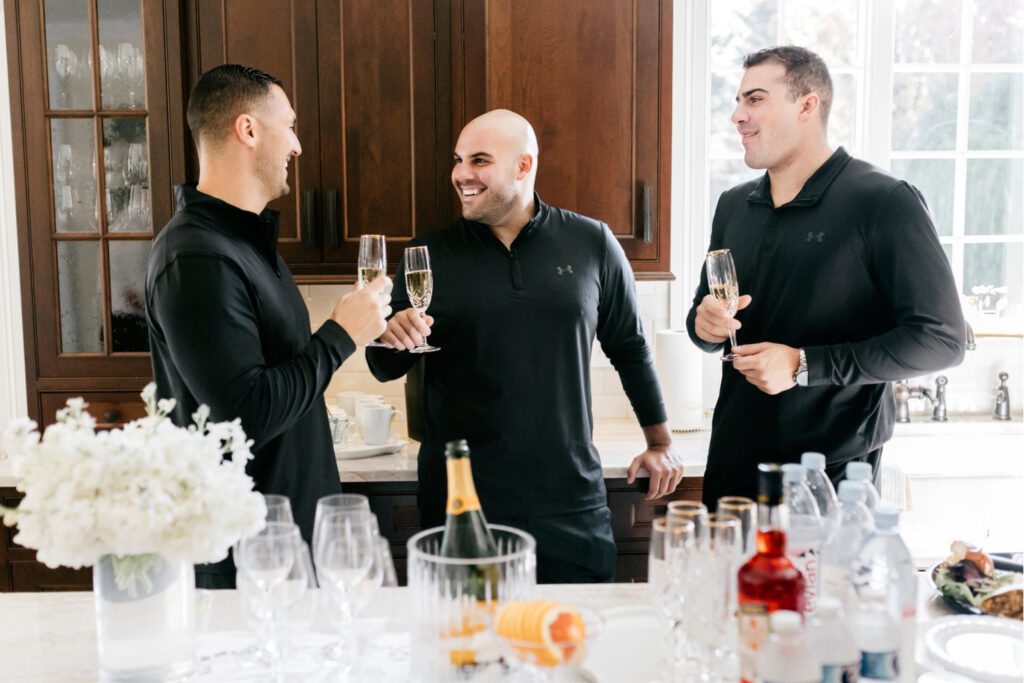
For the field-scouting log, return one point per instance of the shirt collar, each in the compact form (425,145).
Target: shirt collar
(812,190)
(540,215)
(261,229)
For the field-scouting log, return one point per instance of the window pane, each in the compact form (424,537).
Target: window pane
(727,173)
(934,178)
(827,28)
(128,296)
(80,289)
(122,72)
(998,32)
(993,273)
(994,189)
(724,138)
(740,27)
(996,115)
(924,111)
(843,117)
(126,167)
(73,142)
(927,31)
(68,54)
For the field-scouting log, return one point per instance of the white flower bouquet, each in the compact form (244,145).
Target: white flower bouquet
(151,488)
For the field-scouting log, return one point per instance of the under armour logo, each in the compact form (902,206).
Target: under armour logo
(563,271)
(820,236)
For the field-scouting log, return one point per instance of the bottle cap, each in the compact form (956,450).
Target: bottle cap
(887,517)
(828,607)
(814,462)
(769,484)
(794,473)
(859,471)
(786,621)
(851,491)
(456,449)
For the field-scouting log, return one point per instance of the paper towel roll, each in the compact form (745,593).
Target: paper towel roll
(678,363)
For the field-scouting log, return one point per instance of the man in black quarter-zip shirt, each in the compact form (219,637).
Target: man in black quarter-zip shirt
(849,288)
(227,325)
(520,291)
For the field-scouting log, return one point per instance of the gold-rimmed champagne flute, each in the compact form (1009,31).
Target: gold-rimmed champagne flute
(419,284)
(373,263)
(725,288)
(745,510)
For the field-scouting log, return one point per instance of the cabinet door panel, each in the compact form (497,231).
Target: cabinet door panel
(279,37)
(378,113)
(593,77)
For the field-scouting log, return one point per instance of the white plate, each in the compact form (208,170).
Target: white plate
(983,648)
(631,647)
(364,451)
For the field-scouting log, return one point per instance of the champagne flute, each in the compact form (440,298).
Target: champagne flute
(419,284)
(373,263)
(745,510)
(724,287)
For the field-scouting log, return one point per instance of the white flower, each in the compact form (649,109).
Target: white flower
(151,487)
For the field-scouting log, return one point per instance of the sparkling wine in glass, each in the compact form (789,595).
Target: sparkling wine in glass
(372,264)
(419,284)
(725,288)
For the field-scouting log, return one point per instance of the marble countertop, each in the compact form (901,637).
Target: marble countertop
(617,441)
(52,636)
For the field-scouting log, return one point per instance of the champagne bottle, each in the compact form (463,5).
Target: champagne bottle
(466,534)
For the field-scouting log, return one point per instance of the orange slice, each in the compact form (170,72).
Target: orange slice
(548,632)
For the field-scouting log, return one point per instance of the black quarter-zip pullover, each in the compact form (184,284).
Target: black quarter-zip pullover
(516,328)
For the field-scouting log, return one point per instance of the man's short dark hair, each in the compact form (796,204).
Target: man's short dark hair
(805,73)
(220,95)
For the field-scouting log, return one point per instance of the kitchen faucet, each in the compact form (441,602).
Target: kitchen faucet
(903,393)
(1002,398)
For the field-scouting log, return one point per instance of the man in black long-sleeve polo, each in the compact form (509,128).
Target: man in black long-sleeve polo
(227,325)
(849,288)
(520,291)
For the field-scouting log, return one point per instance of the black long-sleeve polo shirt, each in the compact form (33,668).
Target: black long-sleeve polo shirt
(228,327)
(850,270)
(516,328)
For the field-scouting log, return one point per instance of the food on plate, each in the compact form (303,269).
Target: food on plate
(1006,602)
(968,576)
(557,629)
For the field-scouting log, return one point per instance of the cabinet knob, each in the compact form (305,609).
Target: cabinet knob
(111,416)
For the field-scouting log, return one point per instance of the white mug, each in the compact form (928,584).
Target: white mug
(347,400)
(375,421)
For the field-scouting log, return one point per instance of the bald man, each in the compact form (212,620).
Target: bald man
(521,289)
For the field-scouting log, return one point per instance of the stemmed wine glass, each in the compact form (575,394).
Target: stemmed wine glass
(725,288)
(419,284)
(373,263)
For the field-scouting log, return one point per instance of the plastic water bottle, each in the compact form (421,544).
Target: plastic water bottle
(839,552)
(833,643)
(788,656)
(821,488)
(884,566)
(861,471)
(803,544)
(877,636)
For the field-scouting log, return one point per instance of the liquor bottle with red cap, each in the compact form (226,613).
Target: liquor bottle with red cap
(768,581)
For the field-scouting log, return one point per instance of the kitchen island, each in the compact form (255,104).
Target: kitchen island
(52,636)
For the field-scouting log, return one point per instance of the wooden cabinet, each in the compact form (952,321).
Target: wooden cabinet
(372,116)
(594,77)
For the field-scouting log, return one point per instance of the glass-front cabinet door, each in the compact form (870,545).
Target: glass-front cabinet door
(98,178)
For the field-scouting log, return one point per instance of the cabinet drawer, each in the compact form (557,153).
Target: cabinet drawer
(632,514)
(109,408)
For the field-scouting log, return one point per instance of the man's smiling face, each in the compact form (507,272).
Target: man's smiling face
(767,118)
(484,174)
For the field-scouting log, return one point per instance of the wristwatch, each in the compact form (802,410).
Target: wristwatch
(800,376)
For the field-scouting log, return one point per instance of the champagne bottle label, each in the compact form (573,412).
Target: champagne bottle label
(463,498)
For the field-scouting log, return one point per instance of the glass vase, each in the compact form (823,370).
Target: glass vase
(145,617)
